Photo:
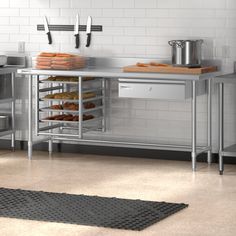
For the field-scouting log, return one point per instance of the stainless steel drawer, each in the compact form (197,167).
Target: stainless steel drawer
(157,89)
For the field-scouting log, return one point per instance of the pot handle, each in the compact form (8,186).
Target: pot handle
(176,43)
(172,42)
(180,44)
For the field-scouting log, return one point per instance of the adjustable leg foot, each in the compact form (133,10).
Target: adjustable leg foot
(194,161)
(209,157)
(50,146)
(30,150)
(221,164)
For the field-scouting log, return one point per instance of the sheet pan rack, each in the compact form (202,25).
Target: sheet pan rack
(45,112)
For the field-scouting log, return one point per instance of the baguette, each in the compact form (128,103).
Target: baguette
(47,54)
(158,64)
(42,59)
(63,63)
(43,67)
(62,67)
(141,64)
(64,55)
(44,63)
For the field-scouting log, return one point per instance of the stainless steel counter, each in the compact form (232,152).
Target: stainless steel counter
(116,72)
(228,78)
(112,72)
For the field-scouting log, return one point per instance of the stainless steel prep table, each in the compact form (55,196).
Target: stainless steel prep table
(9,70)
(230,150)
(116,72)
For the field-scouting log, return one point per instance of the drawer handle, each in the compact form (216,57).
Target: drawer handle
(24,71)
(125,87)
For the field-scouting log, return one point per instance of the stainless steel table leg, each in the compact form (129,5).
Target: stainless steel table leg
(209,121)
(194,126)
(30,143)
(37,106)
(13,112)
(80,91)
(104,105)
(221,127)
(50,141)
(109,105)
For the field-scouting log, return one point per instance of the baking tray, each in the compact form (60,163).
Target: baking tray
(48,109)
(66,82)
(71,122)
(72,100)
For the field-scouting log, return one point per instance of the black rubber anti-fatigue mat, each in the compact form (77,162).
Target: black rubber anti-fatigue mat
(84,210)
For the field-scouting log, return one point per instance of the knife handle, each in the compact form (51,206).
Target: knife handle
(88,39)
(49,38)
(77,41)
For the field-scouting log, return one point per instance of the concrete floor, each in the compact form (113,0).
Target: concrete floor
(211,198)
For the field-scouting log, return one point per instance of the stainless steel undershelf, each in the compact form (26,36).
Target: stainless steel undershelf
(6,100)
(7,132)
(112,143)
(229,151)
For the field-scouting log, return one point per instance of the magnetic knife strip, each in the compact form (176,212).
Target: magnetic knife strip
(69,28)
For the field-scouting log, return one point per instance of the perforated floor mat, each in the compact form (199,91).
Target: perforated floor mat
(84,210)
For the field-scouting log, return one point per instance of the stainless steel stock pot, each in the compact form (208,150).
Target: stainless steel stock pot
(186,53)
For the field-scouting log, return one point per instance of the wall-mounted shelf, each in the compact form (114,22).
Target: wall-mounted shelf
(69,28)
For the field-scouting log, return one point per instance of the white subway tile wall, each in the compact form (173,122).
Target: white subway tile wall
(139,28)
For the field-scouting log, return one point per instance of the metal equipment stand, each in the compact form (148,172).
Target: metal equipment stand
(106,75)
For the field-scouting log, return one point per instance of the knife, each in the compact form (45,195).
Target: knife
(88,30)
(47,31)
(76,32)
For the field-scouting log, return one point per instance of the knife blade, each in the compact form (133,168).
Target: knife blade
(76,32)
(47,31)
(88,30)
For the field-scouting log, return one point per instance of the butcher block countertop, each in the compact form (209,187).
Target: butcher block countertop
(166,68)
